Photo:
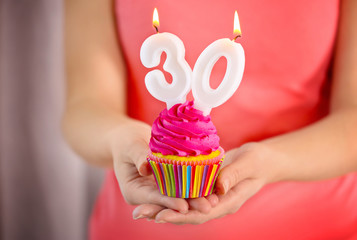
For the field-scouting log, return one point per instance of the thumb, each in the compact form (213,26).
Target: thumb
(139,158)
(232,173)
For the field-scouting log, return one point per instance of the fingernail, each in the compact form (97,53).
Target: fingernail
(214,201)
(138,217)
(225,186)
(160,221)
(149,219)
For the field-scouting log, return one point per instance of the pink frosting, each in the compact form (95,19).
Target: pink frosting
(183,131)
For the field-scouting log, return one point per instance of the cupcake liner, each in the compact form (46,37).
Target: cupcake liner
(185,179)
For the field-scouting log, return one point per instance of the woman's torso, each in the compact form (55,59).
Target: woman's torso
(288,47)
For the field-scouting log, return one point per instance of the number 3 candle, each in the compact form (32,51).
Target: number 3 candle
(175,64)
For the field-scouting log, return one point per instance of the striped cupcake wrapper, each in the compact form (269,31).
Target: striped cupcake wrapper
(185,179)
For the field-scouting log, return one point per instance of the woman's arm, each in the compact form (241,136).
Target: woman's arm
(96,86)
(325,149)
(95,122)
(328,148)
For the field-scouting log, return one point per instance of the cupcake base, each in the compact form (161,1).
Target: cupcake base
(185,179)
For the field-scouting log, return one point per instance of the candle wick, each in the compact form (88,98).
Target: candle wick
(235,38)
(156,28)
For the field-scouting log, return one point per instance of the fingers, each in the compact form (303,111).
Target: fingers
(139,158)
(150,211)
(213,200)
(228,204)
(203,205)
(143,190)
(239,194)
(155,197)
(234,172)
(147,211)
(193,216)
(144,193)
(152,196)
(200,204)
(170,216)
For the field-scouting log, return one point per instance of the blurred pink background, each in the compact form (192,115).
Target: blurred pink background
(47,192)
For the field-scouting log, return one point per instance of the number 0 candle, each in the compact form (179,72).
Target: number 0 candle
(205,97)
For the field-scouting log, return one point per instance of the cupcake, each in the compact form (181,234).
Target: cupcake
(185,155)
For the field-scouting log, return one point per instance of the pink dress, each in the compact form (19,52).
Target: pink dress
(288,46)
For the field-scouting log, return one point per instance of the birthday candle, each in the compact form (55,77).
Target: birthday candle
(205,97)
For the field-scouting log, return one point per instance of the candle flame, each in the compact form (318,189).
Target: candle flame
(155,20)
(236,29)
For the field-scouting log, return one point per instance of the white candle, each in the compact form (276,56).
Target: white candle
(205,97)
(175,64)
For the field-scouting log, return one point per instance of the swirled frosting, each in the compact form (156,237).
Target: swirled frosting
(183,131)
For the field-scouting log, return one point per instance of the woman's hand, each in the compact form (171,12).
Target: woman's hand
(252,162)
(129,147)
(246,170)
